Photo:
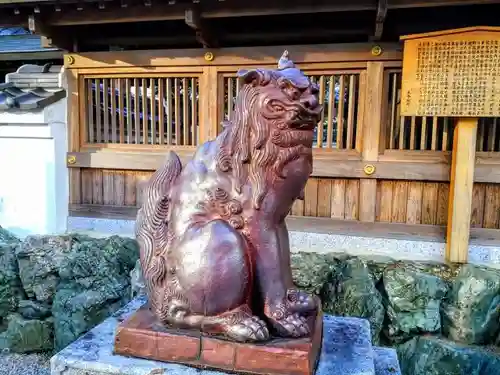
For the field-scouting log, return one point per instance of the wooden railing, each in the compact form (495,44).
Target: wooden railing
(430,133)
(414,133)
(339,93)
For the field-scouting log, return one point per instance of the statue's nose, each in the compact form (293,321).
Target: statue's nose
(310,101)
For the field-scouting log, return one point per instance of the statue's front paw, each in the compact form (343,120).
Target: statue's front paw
(288,316)
(293,325)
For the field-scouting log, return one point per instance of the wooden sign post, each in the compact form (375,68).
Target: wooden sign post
(454,73)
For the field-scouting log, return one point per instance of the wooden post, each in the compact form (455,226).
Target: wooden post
(372,127)
(461,182)
(209,86)
(76,122)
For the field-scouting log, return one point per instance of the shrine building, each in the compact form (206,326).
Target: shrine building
(144,77)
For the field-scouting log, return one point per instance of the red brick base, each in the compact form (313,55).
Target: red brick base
(141,336)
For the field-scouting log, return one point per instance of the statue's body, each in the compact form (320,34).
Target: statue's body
(214,245)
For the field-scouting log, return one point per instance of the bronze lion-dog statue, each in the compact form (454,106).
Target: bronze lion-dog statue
(214,246)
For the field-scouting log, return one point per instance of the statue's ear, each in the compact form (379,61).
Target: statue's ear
(255,77)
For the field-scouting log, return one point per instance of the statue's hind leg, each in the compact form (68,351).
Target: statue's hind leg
(213,270)
(239,324)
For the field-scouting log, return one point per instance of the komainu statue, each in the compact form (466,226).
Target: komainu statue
(214,245)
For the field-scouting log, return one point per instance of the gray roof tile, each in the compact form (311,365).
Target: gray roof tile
(36,98)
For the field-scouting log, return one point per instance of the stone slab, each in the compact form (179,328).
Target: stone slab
(346,350)
(386,361)
(143,336)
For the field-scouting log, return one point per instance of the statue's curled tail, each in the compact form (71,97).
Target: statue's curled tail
(152,225)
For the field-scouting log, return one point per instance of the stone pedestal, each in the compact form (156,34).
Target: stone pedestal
(346,350)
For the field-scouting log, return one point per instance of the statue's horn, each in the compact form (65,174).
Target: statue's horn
(284,62)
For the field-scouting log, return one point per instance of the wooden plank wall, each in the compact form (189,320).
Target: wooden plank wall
(133,108)
(328,197)
(113,187)
(411,202)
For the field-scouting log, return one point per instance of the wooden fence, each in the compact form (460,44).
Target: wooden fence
(372,167)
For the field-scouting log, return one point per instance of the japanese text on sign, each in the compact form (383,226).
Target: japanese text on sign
(453,78)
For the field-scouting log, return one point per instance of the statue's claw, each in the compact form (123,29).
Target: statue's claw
(239,325)
(300,302)
(289,316)
(250,329)
(292,326)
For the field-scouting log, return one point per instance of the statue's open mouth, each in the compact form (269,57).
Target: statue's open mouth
(307,125)
(305,121)
(307,118)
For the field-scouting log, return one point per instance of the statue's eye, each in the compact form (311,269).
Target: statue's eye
(278,108)
(294,94)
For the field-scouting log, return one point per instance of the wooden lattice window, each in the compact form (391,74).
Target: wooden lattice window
(339,94)
(488,135)
(412,132)
(157,111)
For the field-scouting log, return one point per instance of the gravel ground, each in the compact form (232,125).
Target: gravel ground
(24,364)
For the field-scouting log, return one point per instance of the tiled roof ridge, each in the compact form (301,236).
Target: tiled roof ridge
(32,87)
(47,76)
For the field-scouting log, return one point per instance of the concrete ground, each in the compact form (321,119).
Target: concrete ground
(24,364)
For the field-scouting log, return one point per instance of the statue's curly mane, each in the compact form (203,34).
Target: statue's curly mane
(254,146)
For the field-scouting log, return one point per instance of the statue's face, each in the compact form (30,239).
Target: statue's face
(290,100)
(298,104)
(286,101)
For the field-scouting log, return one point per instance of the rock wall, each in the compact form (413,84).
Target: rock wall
(55,288)
(442,319)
